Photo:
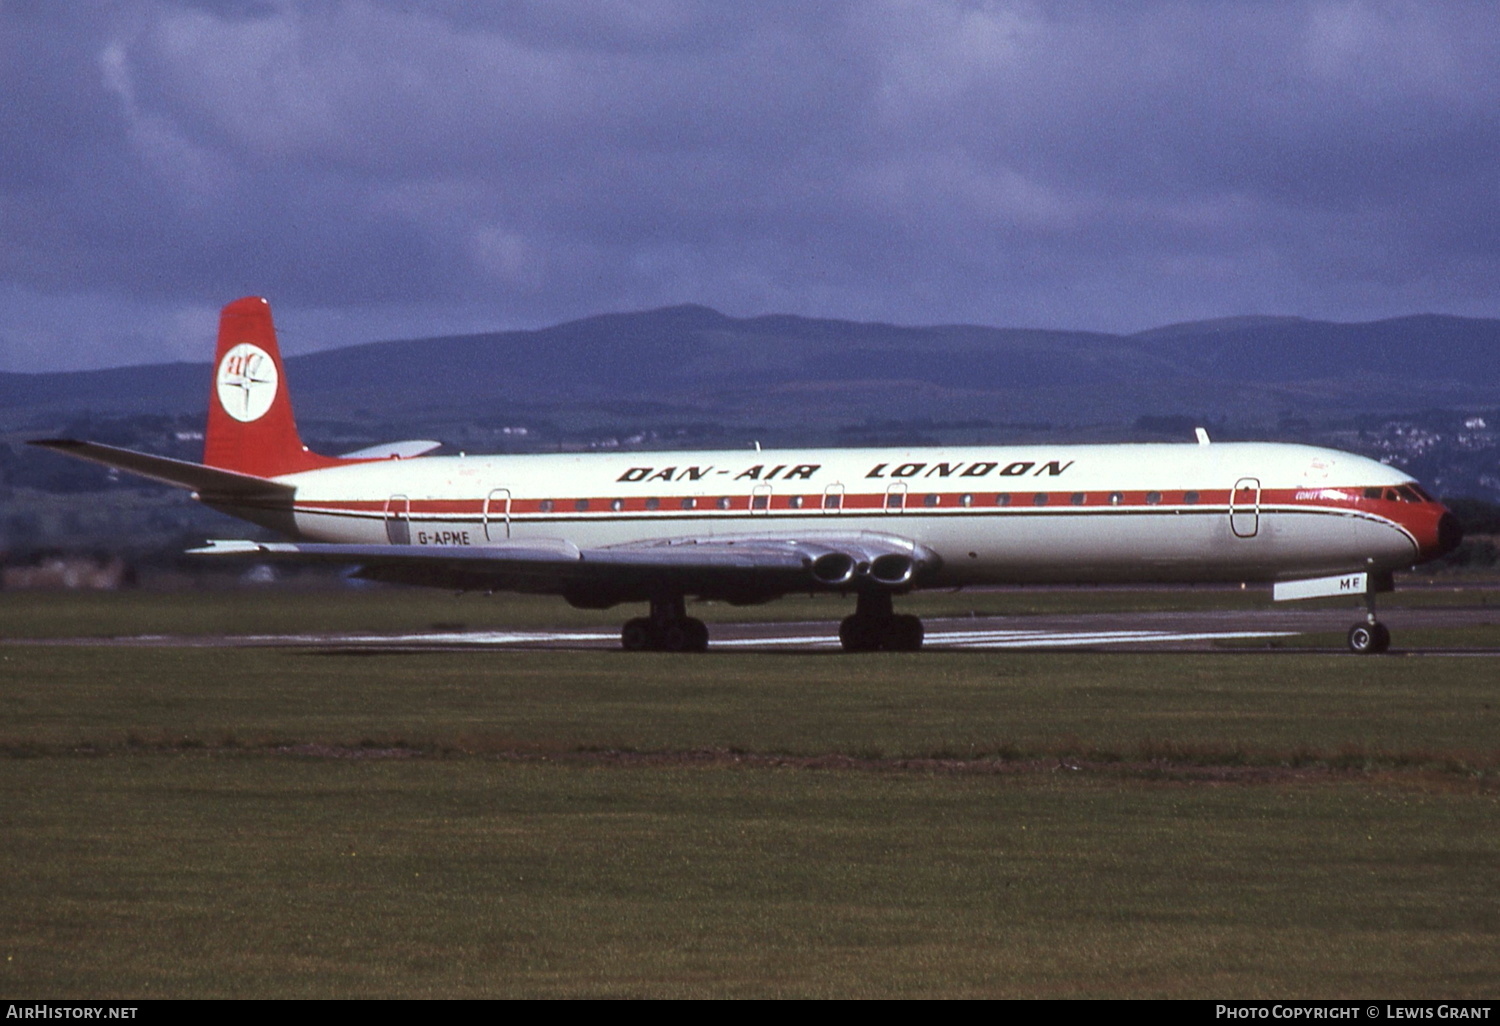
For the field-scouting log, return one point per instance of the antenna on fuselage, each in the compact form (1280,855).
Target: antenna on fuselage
(1202,434)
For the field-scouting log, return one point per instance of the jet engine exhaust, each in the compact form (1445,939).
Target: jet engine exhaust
(833,568)
(892,570)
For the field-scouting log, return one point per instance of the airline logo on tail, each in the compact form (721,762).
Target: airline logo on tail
(247,382)
(251,429)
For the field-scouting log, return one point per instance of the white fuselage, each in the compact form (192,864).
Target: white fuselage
(992,514)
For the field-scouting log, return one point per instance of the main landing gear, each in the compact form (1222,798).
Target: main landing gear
(667,629)
(874,626)
(1371,637)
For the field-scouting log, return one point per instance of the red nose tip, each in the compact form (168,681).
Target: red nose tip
(1450,534)
(1436,530)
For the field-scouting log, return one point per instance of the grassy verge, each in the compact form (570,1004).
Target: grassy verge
(274,822)
(240,876)
(961,704)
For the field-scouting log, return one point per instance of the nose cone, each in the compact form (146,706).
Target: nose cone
(1450,534)
(1438,532)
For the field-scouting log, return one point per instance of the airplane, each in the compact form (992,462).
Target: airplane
(745,526)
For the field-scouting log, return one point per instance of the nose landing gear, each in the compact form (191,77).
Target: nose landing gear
(1371,637)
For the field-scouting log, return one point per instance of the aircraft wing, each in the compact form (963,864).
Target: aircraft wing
(209,481)
(742,568)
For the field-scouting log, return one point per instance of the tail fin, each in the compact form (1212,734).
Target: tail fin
(251,429)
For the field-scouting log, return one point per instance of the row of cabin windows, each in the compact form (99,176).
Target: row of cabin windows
(895,500)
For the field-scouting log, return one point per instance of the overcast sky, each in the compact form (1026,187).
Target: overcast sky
(397,169)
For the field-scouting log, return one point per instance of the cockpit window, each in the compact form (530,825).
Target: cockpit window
(1409,492)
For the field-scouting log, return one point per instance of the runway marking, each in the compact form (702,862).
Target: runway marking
(803,641)
(973,639)
(1050,639)
(938,640)
(1018,639)
(435,638)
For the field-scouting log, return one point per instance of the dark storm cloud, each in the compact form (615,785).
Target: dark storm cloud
(385,169)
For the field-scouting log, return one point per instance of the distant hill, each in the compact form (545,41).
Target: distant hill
(693,362)
(1425,348)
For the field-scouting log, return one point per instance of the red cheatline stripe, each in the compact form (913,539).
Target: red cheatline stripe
(672,507)
(1098,501)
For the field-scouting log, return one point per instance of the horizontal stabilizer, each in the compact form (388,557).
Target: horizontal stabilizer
(394,450)
(204,480)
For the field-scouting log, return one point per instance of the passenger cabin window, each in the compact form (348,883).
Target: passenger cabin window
(724,502)
(833,500)
(1152,498)
(1189,498)
(795,502)
(545,506)
(1003,499)
(931,500)
(653,504)
(1039,499)
(1115,498)
(760,500)
(689,503)
(581,505)
(966,500)
(895,500)
(1077,498)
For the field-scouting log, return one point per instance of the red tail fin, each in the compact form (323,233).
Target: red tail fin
(250,425)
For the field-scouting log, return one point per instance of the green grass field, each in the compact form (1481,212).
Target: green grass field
(144,876)
(279,822)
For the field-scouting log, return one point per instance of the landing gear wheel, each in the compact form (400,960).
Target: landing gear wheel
(673,637)
(637,635)
(697,635)
(904,634)
(684,635)
(865,633)
(860,633)
(1369,638)
(679,634)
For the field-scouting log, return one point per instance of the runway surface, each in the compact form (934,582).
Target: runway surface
(1214,630)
